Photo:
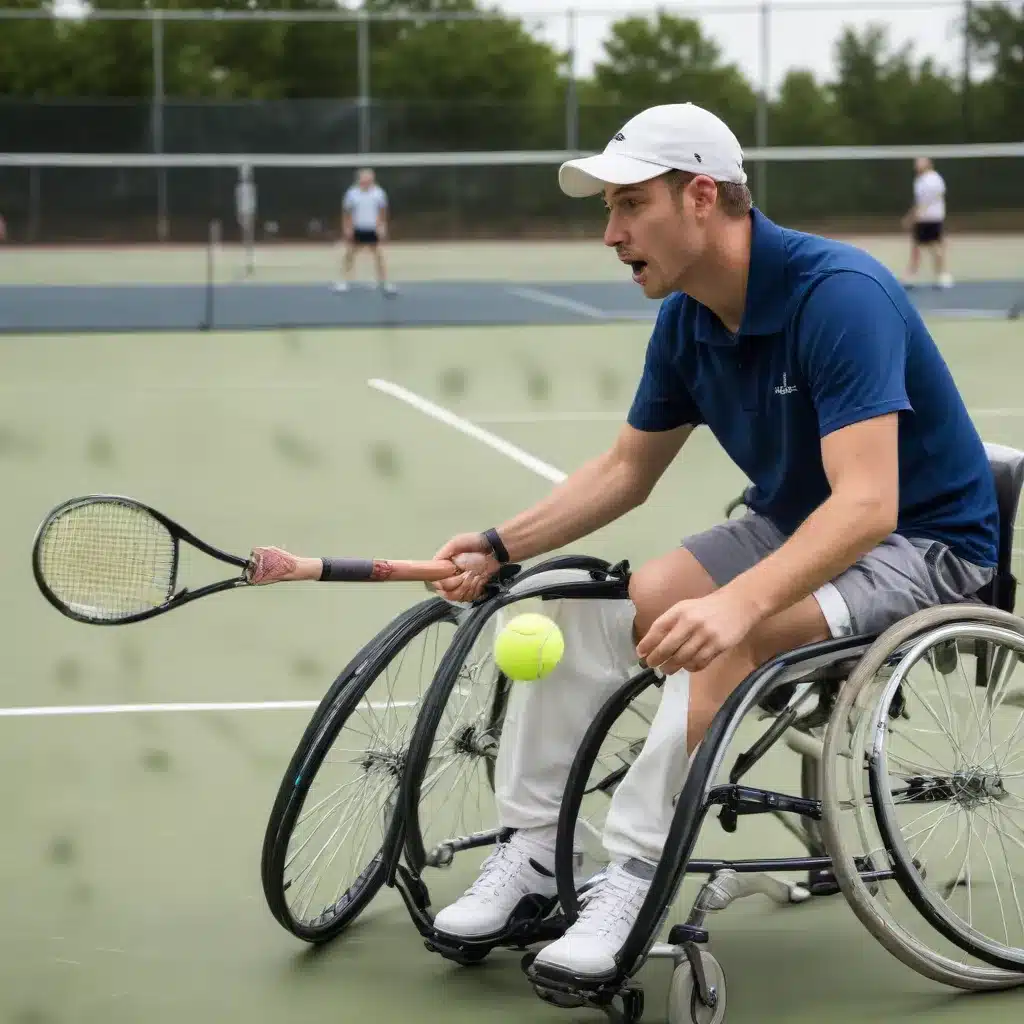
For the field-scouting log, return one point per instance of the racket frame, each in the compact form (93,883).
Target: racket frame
(178,533)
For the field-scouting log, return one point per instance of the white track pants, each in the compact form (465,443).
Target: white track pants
(545,723)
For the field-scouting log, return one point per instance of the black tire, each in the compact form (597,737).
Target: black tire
(576,785)
(327,722)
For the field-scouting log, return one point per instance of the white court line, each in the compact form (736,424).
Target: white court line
(446,416)
(131,709)
(547,299)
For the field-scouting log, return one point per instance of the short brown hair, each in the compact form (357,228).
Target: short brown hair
(734,199)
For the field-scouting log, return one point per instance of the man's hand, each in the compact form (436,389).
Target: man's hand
(692,633)
(472,554)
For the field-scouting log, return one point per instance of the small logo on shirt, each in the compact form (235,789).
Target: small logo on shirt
(784,388)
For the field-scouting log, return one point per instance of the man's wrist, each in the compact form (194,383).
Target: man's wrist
(752,591)
(498,548)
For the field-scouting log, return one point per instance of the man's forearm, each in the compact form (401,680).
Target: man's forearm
(596,494)
(839,532)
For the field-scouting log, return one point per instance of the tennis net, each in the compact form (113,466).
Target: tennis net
(131,198)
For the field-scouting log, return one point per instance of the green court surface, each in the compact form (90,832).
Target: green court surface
(132,842)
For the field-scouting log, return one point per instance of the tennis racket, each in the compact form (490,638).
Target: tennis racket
(105,559)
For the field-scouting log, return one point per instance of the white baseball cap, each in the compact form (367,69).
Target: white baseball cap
(670,137)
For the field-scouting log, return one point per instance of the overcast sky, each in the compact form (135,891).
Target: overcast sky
(800,34)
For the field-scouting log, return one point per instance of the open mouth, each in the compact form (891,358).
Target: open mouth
(638,267)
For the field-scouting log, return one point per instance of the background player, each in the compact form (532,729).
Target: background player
(926,220)
(364,223)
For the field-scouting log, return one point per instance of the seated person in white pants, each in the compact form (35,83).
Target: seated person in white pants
(872,498)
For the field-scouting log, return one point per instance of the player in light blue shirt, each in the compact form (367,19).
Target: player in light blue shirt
(364,224)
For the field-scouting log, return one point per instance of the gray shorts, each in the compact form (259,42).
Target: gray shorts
(899,577)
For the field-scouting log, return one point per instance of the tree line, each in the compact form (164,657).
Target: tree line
(489,83)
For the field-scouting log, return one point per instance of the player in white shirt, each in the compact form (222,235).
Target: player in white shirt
(926,220)
(364,223)
(245,214)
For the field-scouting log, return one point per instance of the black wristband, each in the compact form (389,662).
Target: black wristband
(497,548)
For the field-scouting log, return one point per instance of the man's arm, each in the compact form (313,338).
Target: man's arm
(862,465)
(596,494)
(661,418)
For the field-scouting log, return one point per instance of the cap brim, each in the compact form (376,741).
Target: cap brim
(588,175)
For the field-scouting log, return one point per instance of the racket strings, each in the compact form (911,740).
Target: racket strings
(108,560)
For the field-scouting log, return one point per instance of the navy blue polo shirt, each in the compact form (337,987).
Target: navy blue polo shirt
(828,338)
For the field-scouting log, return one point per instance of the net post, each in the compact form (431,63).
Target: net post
(212,242)
(34,203)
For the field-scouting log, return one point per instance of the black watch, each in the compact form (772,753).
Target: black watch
(498,549)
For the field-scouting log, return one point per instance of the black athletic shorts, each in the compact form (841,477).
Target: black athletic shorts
(363,237)
(928,231)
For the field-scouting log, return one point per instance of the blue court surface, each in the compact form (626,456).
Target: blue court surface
(28,309)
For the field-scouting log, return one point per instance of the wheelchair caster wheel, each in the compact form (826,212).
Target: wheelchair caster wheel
(685,1004)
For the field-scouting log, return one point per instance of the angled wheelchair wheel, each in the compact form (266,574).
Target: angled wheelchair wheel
(324,847)
(921,771)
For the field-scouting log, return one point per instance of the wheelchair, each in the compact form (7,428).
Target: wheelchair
(911,789)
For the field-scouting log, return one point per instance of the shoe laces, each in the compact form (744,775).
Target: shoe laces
(614,901)
(503,866)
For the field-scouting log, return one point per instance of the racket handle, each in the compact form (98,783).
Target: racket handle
(379,570)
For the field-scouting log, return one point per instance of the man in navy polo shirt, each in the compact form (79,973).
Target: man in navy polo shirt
(871,498)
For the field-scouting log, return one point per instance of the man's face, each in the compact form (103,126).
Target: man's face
(658,229)
(365,180)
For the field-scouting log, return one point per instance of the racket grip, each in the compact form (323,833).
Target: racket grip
(378,570)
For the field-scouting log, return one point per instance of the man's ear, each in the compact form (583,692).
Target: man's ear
(704,194)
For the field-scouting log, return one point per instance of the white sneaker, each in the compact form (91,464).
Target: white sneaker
(946,280)
(511,875)
(389,289)
(341,286)
(607,916)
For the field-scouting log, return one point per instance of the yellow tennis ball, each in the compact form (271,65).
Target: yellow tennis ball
(529,647)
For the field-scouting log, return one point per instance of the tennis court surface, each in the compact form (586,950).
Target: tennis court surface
(443,285)
(132,839)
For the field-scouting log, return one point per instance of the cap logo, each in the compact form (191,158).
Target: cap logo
(697,155)
(619,137)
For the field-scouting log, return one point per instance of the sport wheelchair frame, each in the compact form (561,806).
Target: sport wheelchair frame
(836,672)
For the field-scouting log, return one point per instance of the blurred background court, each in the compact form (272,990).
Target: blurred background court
(131,854)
